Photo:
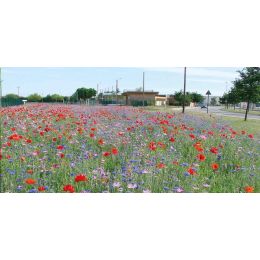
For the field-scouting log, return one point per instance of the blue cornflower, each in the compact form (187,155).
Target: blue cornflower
(19,188)
(184,164)
(32,191)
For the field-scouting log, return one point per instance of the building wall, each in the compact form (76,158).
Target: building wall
(210,97)
(139,97)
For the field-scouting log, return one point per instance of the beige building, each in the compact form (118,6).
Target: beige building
(136,97)
(160,100)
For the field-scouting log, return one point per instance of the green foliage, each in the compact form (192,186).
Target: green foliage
(213,101)
(11,96)
(179,98)
(84,93)
(248,85)
(223,99)
(233,96)
(196,98)
(57,98)
(34,98)
(53,98)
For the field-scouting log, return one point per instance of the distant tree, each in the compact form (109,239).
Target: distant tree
(178,98)
(139,89)
(233,97)
(34,98)
(84,94)
(66,98)
(57,98)
(196,98)
(47,98)
(224,100)
(11,96)
(248,86)
(213,101)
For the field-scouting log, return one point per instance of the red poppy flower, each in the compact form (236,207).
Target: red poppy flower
(106,154)
(60,147)
(54,139)
(68,188)
(15,137)
(41,188)
(80,177)
(62,155)
(91,135)
(30,181)
(160,165)
(249,189)
(30,171)
(152,146)
(214,150)
(214,166)
(198,147)
(29,141)
(162,145)
(114,151)
(201,157)
(251,136)
(101,141)
(191,171)
(192,136)
(172,140)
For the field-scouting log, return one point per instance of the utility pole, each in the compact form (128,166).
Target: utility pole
(116,90)
(18,91)
(184,91)
(143,88)
(0,89)
(208,94)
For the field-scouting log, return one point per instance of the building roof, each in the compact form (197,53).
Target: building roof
(140,92)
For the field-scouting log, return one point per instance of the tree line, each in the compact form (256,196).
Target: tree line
(246,88)
(81,94)
(178,98)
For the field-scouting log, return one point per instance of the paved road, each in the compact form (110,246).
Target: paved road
(217,110)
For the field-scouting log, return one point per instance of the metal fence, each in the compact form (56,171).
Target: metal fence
(6,102)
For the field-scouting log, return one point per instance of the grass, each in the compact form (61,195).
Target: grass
(251,125)
(241,111)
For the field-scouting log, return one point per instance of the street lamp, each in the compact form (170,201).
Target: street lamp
(117,90)
(208,94)
(97,91)
(184,91)
(143,88)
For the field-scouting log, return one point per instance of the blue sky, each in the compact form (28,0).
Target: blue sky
(66,80)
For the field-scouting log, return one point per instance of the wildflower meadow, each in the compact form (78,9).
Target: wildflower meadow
(72,148)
